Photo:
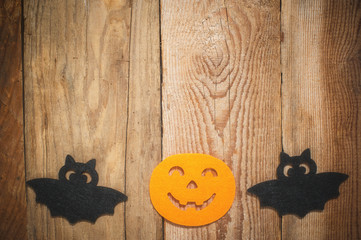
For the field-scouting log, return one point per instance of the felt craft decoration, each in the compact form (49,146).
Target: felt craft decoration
(298,189)
(192,189)
(76,196)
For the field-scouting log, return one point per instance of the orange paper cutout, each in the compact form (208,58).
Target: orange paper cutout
(192,189)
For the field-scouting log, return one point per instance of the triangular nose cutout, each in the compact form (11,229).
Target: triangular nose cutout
(192,185)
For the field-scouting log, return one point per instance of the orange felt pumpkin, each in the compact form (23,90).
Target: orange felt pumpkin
(192,189)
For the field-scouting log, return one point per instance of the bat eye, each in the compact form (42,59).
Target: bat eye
(176,171)
(88,177)
(288,170)
(305,168)
(68,173)
(209,172)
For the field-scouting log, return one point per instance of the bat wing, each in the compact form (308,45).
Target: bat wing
(270,194)
(299,196)
(47,191)
(325,186)
(105,200)
(60,198)
(73,202)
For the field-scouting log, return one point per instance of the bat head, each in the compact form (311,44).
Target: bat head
(78,173)
(296,165)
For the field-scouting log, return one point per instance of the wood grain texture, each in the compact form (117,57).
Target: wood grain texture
(12,172)
(221,96)
(321,65)
(144,137)
(76,64)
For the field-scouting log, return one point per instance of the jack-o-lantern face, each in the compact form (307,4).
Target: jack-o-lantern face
(192,189)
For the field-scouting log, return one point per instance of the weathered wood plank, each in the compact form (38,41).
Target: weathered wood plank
(76,64)
(321,65)
(12,172)
(144,137)
(221,96)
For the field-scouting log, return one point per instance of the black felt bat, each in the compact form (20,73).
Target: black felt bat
(76,196)
(298,191)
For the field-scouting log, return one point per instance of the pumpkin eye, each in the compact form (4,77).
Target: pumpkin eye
(176,171)
(209,172)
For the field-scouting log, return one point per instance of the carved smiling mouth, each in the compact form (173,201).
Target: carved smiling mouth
(187,205)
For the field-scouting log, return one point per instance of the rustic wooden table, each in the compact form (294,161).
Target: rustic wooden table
(132,82)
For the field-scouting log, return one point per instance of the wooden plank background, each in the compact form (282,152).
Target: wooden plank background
(132,82)
(76,64)
(144,136)
(12,174)
(221,96)
(321,66)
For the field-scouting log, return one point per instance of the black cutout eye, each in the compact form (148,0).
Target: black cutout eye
(209,172)
(176,171)
(306,167)
(287,170)
(88,177)
(68,173)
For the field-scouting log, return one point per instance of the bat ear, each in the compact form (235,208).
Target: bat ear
(306,154)
(284,156)
(91,163)
(69,160)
